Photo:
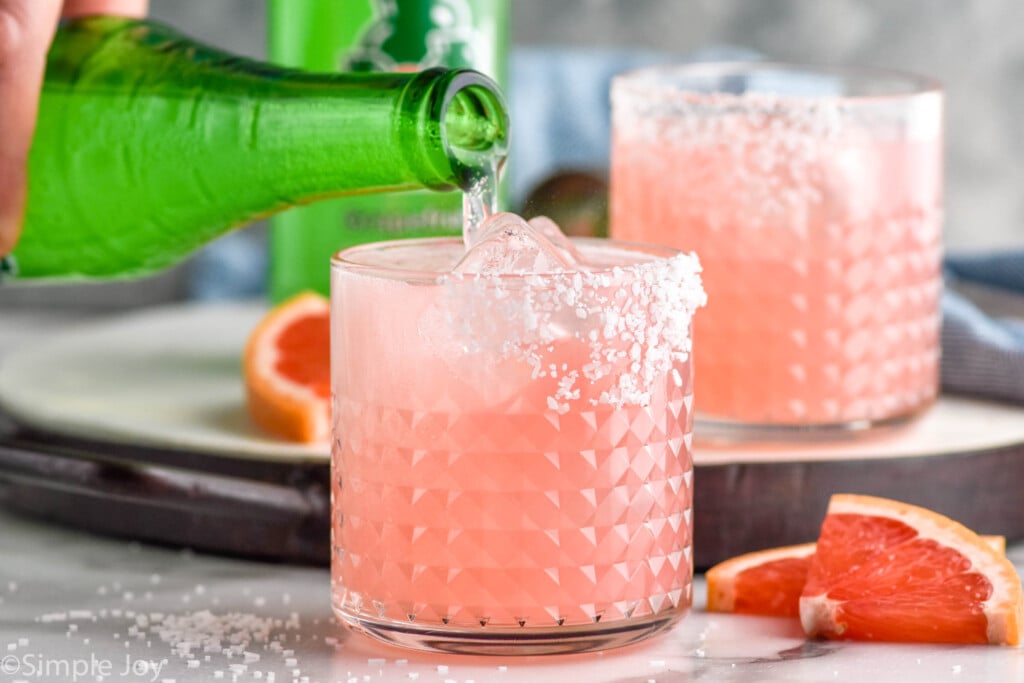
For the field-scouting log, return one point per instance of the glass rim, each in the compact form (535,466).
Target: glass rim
(912,84)
(342,261)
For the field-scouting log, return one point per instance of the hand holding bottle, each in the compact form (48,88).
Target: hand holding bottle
(26,29)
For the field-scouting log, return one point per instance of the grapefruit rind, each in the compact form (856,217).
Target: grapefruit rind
(281,407)
(1004,609)
(721,578)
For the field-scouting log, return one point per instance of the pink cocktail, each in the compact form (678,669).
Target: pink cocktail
(813,197)
(512,466)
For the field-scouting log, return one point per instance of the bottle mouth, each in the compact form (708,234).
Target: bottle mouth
(471,124)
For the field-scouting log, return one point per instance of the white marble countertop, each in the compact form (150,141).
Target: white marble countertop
(79,607)
(120,611)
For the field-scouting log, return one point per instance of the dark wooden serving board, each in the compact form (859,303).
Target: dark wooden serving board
(964,458)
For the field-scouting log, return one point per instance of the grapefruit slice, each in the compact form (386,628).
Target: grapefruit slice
(769,582)
(885,570)
(766,582)
(287,370)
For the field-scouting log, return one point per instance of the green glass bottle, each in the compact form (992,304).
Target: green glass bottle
(374,36)
(149,145)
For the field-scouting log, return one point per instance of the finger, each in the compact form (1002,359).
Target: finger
(26,28)
(124,8)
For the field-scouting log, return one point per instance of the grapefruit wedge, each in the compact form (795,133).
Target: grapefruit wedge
(286,366)
(889,571)
(769,582)
(766,582)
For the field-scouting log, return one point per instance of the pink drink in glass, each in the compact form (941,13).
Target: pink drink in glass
(512,466)
(818,221)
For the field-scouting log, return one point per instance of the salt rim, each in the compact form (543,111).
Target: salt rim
(634,320)
(645,109)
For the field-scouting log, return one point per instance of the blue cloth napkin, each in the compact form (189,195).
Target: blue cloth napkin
(983,354)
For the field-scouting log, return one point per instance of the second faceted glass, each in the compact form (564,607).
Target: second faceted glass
(813,197)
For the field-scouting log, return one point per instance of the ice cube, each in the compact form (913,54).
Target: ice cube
(549,229)
(508,244)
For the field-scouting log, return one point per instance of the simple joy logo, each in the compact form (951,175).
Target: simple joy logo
(33,665)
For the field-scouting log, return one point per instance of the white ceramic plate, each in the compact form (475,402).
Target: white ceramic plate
(168,377)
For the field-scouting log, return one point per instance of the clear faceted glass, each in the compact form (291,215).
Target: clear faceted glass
(511,466)
(814,197)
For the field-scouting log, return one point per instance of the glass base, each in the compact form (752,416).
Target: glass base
(712,431)
(510,641)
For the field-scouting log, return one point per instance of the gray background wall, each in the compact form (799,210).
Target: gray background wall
(975,47)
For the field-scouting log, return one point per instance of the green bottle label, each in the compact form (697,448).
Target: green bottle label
(411,36)
(374,35)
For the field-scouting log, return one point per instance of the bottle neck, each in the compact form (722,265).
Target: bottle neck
(348,133)
(464,111)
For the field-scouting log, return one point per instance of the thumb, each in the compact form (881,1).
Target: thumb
(26,28)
